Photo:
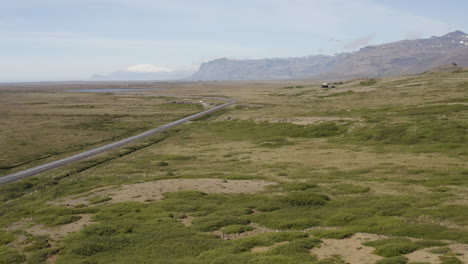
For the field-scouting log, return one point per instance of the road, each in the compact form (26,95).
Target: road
(83,155)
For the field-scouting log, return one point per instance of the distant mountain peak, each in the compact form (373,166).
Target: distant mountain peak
(456,33)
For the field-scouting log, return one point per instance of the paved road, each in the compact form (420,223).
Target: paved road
(54,164)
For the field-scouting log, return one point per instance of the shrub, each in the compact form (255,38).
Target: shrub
(393,260)
(392,247)
(297,224)
(430,243)
(450,260)
(298,186)
(212,223)
(332,260)
(440,250)
(163,164)
(94,245)
(391,250)
(296,246)
(334,234)
(349,189)
(305,199)
(99,230)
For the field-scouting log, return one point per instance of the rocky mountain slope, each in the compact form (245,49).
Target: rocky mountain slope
(392,59)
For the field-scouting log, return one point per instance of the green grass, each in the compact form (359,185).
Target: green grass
(264,132)
(450,260)
(9,255)
(348,189)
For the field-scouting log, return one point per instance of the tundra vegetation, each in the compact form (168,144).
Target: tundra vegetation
(386,157)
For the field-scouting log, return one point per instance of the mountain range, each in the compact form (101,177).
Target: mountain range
(392,59)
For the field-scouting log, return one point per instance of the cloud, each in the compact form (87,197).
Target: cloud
(360,42)
(148,68)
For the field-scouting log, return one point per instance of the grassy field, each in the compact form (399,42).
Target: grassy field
(47,124)
(373,171)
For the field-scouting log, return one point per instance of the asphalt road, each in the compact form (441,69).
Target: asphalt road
(83,155)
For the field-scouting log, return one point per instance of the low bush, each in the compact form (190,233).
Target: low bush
(450,260)
(393,260)
(298,186)
(393,247)
(300,198)
(212,223)
(334,234)
(440,250)
(392,250)
(349,189)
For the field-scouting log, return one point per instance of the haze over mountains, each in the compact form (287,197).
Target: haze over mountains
(386,60)
(392,59)
(142,72)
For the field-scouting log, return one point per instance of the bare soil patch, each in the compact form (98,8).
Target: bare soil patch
(55,233)
(186,221)
(350,249)
(155,190)
(423,255)
(461,250)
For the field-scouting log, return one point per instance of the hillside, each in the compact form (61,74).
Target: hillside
(393,59)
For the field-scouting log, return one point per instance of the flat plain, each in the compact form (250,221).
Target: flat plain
(372,171)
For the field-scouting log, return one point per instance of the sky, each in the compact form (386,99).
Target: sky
(56,40)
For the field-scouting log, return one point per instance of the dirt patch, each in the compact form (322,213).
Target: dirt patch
(186,221)
(155,190)
(461,250)
(55,233)
(423,255)
(52,259)
(350,249)
(306,120)
(264,249)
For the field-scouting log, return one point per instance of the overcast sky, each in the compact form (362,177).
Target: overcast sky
(74,39)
